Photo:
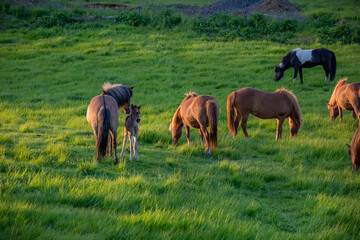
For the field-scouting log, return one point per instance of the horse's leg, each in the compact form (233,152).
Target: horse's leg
(131,145)
(124,143)
(295,73)
(187,128)
(110,144)
(237,121)
(243,124)
(301,76)
(327,71)
(354,116)
(340,113)
(207,138)
(201,136)
(135,146)
(280,122)
(114,144)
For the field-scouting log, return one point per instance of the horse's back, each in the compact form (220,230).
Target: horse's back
(262,104)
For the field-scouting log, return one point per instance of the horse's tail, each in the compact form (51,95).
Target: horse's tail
(231,113)
(103,122)
(212,111)
(333,66)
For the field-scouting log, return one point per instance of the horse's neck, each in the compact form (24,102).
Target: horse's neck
(332,101)
(335,93)
(177,119)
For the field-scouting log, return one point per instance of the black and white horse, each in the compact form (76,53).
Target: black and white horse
(299,58)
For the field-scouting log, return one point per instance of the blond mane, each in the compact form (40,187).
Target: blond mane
(341,82)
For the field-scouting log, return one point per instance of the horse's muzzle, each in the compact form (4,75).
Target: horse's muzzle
(138,120)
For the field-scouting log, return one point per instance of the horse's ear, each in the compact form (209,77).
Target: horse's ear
(276,68)
(348,145)
(131,88)
(132,106)
(139,107)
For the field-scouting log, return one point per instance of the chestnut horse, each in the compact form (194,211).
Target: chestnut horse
(345,96)
(265,105)
(103,114)
(354,150)
(197,111)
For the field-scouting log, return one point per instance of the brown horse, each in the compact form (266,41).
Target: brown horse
(265,105)
(345,96)
(354,150)
(197,111)
(131,130)
(103,114)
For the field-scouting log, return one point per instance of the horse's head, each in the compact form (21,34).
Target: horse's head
(135,112)
(126,105)
(279,73)
(176,132)
(355,158)
(334,111)
(294,126)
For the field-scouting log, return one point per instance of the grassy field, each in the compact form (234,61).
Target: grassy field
(52,188)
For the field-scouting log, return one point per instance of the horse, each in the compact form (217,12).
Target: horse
(131,130)
(299,58)
(354,150)
(199,112)
(264,105)
(345,96)
(103,114)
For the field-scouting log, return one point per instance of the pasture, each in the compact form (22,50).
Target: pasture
(52,188)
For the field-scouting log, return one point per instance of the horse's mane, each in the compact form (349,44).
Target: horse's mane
(341,82)
(190,94)
(296,49)
(292,98)
(120,92)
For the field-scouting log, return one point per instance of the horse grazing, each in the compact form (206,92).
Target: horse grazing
(131,130)
(197,111)
(345,96)
(103,114)
(299,59)
(265,105)
(354,150)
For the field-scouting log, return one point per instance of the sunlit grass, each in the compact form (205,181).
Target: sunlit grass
(52,187)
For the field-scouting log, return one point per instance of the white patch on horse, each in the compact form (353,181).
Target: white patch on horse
(326,79)
(303,55)
(281,65)
(294,80)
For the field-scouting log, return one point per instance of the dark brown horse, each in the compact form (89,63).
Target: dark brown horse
(345,96)
(131,131)
(265,105)
(103,115)
(354,150)
(197,111)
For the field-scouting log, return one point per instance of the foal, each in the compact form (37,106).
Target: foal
(132,128)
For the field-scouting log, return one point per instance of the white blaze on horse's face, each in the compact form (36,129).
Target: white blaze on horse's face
(303,55)
(281,65)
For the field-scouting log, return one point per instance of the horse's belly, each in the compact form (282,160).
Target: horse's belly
(310,64)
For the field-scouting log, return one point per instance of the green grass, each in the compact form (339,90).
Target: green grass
(52,188)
